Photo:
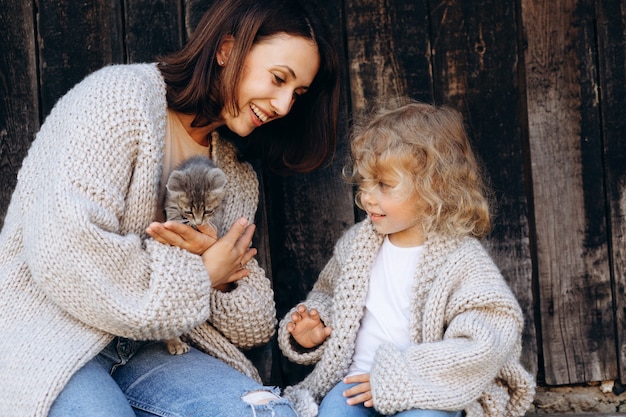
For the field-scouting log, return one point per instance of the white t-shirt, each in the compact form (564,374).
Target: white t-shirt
(387,307)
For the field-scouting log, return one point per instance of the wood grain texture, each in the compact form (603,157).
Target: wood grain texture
(152,28)
(19,104)
(574,277)
(75,39)
(611,26)
(388,51)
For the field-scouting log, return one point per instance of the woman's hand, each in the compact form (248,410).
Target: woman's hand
(183,236)
(225,260)
(360,393)
(307,328)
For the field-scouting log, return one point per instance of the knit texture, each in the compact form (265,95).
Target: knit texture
(465,325)
(76,266)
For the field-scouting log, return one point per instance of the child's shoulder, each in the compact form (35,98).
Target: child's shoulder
(359,237)
(358,231)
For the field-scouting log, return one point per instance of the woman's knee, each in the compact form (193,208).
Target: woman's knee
(91,392)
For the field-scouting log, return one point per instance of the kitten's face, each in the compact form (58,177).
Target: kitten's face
(194,193)
(199,211)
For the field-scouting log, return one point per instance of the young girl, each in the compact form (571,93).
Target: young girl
(411,317)
(88,274)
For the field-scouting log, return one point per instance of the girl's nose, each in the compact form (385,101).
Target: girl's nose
(366,197)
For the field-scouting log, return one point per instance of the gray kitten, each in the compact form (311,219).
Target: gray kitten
(193,194)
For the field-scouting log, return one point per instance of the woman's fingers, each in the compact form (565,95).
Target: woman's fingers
(225,261)
(183,236)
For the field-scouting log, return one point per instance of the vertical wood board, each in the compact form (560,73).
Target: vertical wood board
(611,23)
(75,39)
(574,281)
(19,104)
(388,51)
(153,28)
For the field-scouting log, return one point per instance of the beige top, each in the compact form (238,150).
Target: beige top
(179,146)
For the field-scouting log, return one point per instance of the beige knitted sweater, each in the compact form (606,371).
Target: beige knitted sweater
(76,266)
(465,324)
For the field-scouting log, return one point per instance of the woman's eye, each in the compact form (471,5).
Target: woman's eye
(278,79)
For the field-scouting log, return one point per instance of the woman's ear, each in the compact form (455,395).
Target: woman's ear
(223,51)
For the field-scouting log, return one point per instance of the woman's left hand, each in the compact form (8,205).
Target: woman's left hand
(183,236)
(360,393)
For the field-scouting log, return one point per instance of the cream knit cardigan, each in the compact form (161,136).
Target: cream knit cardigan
(76,266)
(465,325)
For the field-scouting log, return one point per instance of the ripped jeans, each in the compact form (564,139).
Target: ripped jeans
(137,379)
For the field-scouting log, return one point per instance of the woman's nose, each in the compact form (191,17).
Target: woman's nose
(282,103)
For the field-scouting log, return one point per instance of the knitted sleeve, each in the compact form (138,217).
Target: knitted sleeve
(87,192)
(319,298)
(471,328)
(247,314)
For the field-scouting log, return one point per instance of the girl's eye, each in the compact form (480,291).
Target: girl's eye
(382,185)
(278,79)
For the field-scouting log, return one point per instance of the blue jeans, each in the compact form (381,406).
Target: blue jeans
(334,405)
(135,379)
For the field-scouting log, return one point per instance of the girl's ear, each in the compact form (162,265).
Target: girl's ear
(223,51)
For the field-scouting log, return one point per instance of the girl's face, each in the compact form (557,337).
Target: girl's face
(276,71)
(393,210)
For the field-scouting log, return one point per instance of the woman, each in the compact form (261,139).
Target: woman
(89,275)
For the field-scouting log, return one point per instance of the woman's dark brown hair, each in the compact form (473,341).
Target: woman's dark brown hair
(299,142)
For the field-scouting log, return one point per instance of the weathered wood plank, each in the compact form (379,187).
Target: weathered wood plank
(76,38)
(611,24)
(153,27)
(475,69)
(389,51)
(19,105)
(565,148)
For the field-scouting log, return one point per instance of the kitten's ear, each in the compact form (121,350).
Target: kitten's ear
(176,181)
(217,178)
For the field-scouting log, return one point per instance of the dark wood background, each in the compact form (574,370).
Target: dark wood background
(540,83)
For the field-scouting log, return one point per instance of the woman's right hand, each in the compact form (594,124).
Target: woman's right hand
(225,260)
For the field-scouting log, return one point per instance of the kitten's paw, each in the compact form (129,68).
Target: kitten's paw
(176,346)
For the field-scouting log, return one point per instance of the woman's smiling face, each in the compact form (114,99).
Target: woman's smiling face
(276,71)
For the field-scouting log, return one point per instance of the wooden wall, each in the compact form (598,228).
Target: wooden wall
(540,83)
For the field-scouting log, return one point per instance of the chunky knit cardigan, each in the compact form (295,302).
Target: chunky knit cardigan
(76,265)
(465,326)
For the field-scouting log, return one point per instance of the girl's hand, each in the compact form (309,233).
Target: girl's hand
(360,393)
(225,259)
(307,328)
(183,236)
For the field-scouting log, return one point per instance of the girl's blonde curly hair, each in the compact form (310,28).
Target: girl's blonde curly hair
(426,146)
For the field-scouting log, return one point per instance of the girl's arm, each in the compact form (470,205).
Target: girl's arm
(320,299)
